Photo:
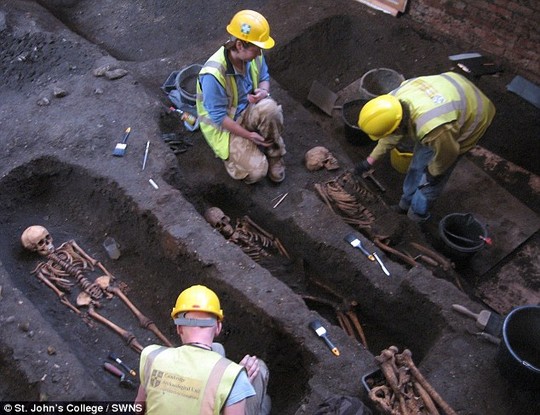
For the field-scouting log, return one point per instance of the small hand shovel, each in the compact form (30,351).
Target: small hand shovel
(321,332)
(485,320)
(120,148)
(322,97)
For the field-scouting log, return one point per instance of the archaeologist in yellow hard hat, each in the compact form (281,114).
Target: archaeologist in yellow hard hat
(238,118)
(196,378)
(445,115)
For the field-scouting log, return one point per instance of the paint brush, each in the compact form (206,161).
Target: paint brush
(120,148)
(357,243)
(318,328)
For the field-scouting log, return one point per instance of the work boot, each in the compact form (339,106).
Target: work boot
(416,218)
(276,169)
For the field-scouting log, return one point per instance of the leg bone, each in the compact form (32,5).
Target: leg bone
(126,335)
(405,358)
(144,321)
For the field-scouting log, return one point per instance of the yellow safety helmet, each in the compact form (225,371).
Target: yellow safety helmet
(380,116)
(197,298)
(251,26)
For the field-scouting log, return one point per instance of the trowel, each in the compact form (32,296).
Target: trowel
(321,332)
(126,383)
(485,320)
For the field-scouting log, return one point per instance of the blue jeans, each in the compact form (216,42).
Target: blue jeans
(418,198)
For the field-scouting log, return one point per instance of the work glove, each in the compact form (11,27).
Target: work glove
(362,167)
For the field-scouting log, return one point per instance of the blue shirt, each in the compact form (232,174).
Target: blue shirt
(241,389)
(215,98)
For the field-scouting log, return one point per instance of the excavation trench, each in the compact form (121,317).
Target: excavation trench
(48,352)
(151,272)
(152,269)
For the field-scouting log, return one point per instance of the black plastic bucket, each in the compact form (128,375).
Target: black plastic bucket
(462,234)
(349,113)
(518,357)
(186,83)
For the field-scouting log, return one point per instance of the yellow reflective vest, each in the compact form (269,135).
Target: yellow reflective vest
(216,65)
(448,97)
(186,380)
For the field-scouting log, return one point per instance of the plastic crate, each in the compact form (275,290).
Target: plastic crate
(372,379)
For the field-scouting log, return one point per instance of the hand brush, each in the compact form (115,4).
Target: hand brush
(316,326)
(486,321)
(120,148)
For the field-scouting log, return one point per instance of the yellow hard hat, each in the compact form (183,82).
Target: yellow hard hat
(380,116)
(197,298)
(251,26)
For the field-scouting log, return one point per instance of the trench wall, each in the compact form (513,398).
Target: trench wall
(506,29)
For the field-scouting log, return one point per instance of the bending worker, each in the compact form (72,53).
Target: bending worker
(196,378)
(445,115)
(238,118)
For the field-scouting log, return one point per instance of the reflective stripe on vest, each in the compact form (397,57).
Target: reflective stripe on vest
(439,99)
(216,65)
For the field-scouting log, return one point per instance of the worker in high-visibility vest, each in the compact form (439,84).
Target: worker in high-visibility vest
(196,378)
(238,118)
(445,115)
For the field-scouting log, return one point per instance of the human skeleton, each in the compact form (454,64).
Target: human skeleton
(254,240)
(69,262)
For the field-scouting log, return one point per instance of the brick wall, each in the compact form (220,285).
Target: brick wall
(505,29)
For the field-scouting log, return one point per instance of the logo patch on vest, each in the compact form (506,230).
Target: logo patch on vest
(178,385)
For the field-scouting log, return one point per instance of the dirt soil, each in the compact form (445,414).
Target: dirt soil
(61,118)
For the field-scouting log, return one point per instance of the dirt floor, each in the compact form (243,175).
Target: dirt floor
(62,114)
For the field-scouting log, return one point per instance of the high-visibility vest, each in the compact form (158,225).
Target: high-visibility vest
(439,99)
(216,65)
(186,380)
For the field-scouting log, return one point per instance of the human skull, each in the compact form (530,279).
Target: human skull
(37,239)
(319,157)
(215,217)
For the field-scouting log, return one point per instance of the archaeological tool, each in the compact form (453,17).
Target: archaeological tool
(486,321)
(323,97)
(126,383)
(120,148)
(185,116)
(379,261)
(145,158)
(116,359)
(321,332)
(369,175)
(357,243)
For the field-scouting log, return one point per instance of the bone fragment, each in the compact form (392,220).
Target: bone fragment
(388,367)
(405,358)
(426,399)
(405,258)
(354,318)
(126,335)
(446,264)
(381,396)
(60,294)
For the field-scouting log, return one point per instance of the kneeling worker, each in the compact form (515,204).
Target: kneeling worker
(196,378)
(238,118)
(445,115)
